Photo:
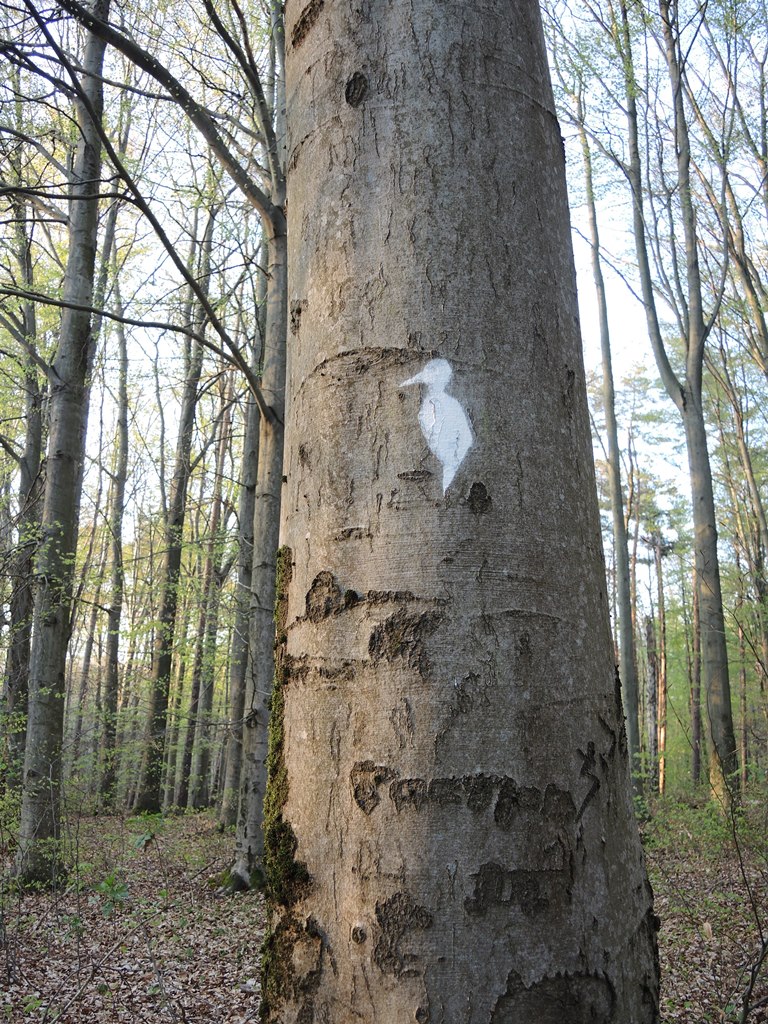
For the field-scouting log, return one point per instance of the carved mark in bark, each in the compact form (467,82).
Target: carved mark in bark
(570,380)
(354,533)
(305,22)
(396,917)
(401,635)
(297,308)
(479,499)
(325,598)
(576,998)
(374,597)
(401,719)
(497,886)
(366,777)
(418,476)
(467,693)
(444,792)
(514,800)
(356,89)
(480,790)
(588,772)
(408,793)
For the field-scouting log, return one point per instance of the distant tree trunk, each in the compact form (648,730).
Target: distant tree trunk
(449,825)
(627,657)
(743,713)
(149,796)
(651,705)
(13,720)
(239,651)
(686,392)
(696,738)
(172,775)
(249,840)
(199,788)
(181,798)
(661,668)
(39,857)
(108,780)
(81,701)
(13,703)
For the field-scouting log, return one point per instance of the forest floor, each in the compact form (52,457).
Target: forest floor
(141,932)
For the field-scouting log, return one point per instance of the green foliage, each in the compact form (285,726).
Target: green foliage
(114,893)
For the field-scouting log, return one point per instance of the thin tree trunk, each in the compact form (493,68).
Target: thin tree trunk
(627,657)
(687,396)
(149,794)
(651,705)
(743,713)
(85,672)
(239,649)
(661,701)
(696,737)
(247,868)
(172,770)
(13,709)
(108,778)
(199,789)
(39,856)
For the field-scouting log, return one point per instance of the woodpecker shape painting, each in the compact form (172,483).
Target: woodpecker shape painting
(443,422)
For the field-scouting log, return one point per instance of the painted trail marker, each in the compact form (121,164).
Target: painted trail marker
(443,422)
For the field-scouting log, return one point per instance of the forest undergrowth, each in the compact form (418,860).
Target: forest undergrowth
(142,932)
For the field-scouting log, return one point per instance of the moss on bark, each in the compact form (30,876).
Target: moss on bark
(286,878)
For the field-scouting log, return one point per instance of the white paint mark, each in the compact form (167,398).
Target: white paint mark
(443,422)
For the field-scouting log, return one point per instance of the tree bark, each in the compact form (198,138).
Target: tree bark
(449,826)
(38,857)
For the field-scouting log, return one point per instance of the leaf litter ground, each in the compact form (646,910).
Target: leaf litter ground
(141,931)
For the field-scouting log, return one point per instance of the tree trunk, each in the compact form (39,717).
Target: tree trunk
(696,691)
(661,673)
(686,393)
(743,710)
(16,673)
(651,705)
(108,779)
(449,823)
(239,649)
(149,795)
(199,783)
(39,857)
(627,658)
(249,841)
(723,764)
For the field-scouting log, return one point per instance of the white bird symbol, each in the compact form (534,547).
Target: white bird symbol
(443,422)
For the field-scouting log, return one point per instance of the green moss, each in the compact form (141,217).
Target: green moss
(286,878)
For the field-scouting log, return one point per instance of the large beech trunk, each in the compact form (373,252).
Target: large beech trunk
(449,831)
